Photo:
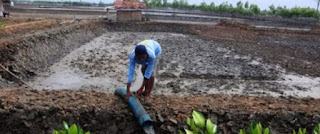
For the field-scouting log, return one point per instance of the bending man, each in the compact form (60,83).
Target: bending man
(146,54)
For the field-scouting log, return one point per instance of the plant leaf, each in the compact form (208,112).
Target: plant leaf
(55,132)
(253,126)
(194,127)
(210,127)
(180,132)
(88,132)
(63,132)
(300,131)
(258,129)
(198,119)
(65,125)
(294,132)
(214,129)
(266,131)
(316,129)
(242,131)
(259,126)
(189,121)
(80,130)
(73,129)
(188,131)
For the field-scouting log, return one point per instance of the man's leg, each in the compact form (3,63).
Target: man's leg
(149,87)
(151,81)
(140,91)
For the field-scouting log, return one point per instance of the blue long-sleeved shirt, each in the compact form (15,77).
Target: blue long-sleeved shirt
(153,51)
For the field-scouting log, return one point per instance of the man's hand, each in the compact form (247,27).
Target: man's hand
(128,91)
(140,91)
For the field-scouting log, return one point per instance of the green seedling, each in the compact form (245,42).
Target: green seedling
(73,129)
(316,129)
(199,124)
(300,131)
(256,128)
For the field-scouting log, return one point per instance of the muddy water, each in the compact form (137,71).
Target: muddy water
(188,65)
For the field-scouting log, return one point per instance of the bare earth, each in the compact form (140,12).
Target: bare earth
(231,71)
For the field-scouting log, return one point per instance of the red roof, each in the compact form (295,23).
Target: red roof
(129,5)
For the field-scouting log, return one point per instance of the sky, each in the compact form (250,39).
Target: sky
(263,4)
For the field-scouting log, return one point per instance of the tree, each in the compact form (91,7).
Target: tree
(246,6)
(239,5)
(181,3)
(212,6)
(156,3)
(101,3)
(186,3)
(203,6)
(194,6)
(223,7)
(164,3)
(272,9)
(147,2)
(255,9)
(175,4)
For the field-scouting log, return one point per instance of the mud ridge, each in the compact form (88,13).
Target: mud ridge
(36,112)
(26,56)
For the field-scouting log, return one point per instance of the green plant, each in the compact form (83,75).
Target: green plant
(2,25)
(73,129)
(200,125)
(300,131)
(256,128)
(316,129)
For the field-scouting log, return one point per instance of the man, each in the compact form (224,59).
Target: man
(145,53)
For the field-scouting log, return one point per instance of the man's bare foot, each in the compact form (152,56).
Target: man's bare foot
(140,92)
(147,98)
(144,93)
(147,101)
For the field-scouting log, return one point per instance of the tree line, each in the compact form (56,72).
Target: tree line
(240,8)
(225,7)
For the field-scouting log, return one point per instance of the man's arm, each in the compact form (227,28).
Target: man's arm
(131,69)
(130,75)
(128,91)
